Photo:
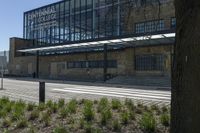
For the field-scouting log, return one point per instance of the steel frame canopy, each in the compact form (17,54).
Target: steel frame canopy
(101,42)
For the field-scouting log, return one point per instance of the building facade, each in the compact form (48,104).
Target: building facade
(94,39)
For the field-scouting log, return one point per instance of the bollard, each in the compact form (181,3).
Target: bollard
(42,92)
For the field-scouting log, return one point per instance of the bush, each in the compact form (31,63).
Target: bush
(165,119)
(22,123)
(6,122)
(116,104)
(148,122)
(60,129)
(34,115)
(61,103)
(72,106)
(88,111)
(106,115)
(116,125)
(125,117)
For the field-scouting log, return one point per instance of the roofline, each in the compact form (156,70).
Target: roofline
(100,42)
(44,6)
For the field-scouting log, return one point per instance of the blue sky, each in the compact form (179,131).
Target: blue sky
(11,18)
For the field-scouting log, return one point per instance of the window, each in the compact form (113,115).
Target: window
(91,64)
(150,2)
(149,62)
(112,64)
(140,28)
(149,26)
(173,23)
(76,64)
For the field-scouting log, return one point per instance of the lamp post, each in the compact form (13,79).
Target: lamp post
(105,61)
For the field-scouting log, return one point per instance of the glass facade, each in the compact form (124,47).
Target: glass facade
(81,20)
(150,26)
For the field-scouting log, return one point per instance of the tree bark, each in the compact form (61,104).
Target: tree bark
(186,70)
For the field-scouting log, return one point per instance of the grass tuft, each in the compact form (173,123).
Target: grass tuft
(49,103)
(82,123)
(116,104)
(165,119)
(104,103)
(148,122)
(54,108)
(129,104)
(3,113)
(60,129)
(154,107)
(106,115)
(61,103)
(116,125)
(125,117)
(22,123)
(64,112)
(88,111)
(6,122)
(45,118)
(72,106)
(34,115)
(41,107)
(30,106)
(88,128)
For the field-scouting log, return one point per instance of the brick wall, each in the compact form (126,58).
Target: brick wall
(48,65)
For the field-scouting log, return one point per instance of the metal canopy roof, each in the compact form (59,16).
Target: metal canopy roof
(126,40)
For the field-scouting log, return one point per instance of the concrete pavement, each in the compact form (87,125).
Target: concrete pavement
(28,90)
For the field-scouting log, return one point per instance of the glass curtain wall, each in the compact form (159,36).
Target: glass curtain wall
(78,20)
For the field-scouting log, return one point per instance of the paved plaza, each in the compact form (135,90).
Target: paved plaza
(28,90)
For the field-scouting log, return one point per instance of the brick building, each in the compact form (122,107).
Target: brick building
(96,39)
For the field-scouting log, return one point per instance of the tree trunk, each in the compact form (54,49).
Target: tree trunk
(186,71)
